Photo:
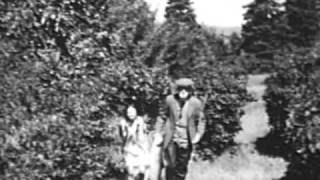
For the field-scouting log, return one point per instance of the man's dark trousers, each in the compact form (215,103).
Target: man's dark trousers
(178,157)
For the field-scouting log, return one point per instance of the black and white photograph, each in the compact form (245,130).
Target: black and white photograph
(159,89)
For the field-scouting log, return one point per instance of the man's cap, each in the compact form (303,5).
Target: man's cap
(184,82)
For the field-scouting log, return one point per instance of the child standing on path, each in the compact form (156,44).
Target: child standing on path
(135,142)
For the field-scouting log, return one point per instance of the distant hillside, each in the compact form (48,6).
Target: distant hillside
(228,30)
(218,30)
(224,30)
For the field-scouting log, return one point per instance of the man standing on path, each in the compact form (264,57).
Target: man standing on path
(183,127)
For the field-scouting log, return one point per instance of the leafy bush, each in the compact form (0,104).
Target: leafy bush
(67,68)
(225,89)
(257,65)
(293,107)
(52,147)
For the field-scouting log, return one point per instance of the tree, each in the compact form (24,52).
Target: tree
(303,21)
(261,29)
(180,11)
(180,42)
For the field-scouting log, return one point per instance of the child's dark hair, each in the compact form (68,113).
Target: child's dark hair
(134,105)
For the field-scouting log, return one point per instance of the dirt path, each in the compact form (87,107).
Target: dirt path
(246,163)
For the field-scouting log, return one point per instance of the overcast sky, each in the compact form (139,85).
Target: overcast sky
(223,13)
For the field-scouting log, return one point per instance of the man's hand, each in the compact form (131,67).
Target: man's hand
(196,139)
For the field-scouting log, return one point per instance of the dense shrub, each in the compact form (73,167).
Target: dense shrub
(54,147)
(225,89)
(293,103)
(67,68)
(256,66)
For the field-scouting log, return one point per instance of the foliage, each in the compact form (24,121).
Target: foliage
(235,42)
(225,89)
(262,28)
(222,42)
(54,147)
(293,107)
(178,43)
(218,43)
(254,65)
(302,21)
(68,67)
(178,46)
(272,27)
(180,11)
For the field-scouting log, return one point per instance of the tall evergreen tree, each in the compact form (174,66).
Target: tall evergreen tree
(261,29)
(179,43)
(303,21)
(180,11)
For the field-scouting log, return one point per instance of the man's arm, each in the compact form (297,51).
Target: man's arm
(201,123)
